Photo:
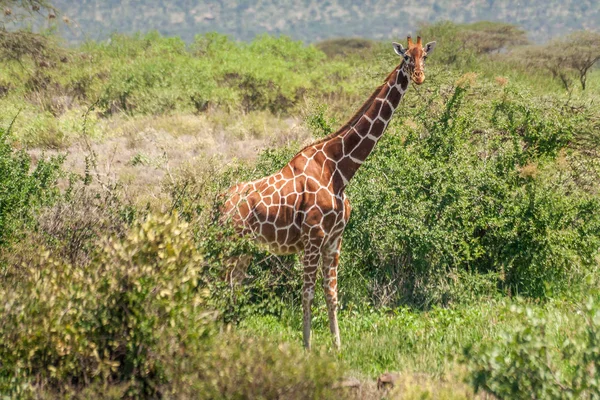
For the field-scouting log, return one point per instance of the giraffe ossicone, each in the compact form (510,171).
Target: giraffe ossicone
(302,208)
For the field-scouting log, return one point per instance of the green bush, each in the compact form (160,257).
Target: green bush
(161,75)
(23,189)
(109,321)
(530,362)
(471,188)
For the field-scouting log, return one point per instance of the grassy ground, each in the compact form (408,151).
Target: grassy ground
(425,348)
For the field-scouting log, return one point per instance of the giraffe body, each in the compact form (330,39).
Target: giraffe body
(302,208)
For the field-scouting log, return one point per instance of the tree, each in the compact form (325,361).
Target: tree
(564,58)
(487,37)
(464,42)
(545,57)
(581,51)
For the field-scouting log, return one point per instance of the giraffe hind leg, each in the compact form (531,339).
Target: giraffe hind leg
(237,268)
(330,266)
(310,263)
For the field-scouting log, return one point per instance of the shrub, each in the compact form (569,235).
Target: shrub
(68,326)
(529,363)
(457,193)
(23,189)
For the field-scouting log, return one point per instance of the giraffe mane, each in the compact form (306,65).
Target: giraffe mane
(354,119)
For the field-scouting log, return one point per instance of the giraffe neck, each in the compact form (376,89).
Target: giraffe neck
(360,137)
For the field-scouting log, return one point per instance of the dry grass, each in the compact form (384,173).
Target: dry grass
(140,153)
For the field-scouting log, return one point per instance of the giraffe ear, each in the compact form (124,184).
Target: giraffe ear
(429,47)
(400,50)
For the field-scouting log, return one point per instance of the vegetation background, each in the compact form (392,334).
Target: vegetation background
(469,268)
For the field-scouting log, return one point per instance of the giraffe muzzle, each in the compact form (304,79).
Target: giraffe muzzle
(418,77)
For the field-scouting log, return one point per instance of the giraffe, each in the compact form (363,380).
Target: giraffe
(302,208)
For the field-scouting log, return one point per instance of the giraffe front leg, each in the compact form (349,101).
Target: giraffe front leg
(330,266)
(310,263)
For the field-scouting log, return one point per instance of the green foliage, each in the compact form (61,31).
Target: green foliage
(267,74)
(527,363)
(318,123)
(23,190)
(105,321)
(459,193)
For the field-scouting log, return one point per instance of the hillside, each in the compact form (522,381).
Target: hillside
(311,20)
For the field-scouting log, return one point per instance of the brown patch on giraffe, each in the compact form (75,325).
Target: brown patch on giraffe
(348,166)
(288,187)
(362,125)
(386,111)
(276,197)
(313,217)
(329,221)
(333,148)
(268,191)
(319,157)
(290,199)
(272,214)
(403,81)
(351,140)
(293,235)
(377,128)
(373,112)
(337,181)
(260,209)
(234,199)
(309,152)
(243,208)
(325,172)
(299,183)
(395,96)
(268,232)
(281,235)
(298,164)
(287,172)
(324,199)
(365,148)
(309,198)
(286,213)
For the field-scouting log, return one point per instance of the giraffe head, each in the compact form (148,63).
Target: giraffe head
(414,58)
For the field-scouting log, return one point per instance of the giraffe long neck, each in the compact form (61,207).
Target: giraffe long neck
(361,135)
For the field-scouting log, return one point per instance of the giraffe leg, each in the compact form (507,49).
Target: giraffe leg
(237,268)
(330,266)
(310,263)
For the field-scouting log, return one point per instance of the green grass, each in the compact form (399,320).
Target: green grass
(409,341)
